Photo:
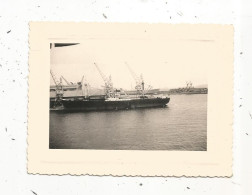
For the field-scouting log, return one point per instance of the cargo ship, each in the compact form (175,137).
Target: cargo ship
(77,97)
(103,103)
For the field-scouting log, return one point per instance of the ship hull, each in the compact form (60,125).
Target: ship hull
(95,105)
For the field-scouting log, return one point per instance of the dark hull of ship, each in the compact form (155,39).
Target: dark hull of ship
(96,105)
(54,103)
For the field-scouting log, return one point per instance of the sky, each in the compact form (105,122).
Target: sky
(164,62)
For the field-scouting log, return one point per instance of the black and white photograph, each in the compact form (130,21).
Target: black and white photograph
(126,97)
(130,99)
(134,93)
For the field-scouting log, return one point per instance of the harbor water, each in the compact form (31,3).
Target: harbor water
(182,125)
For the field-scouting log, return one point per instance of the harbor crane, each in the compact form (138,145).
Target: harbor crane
(109,90)
(57,83)
(65,80)
(59,89)
(139,81)
(189,85)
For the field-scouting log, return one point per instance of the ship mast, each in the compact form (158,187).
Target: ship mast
(83,84)
(109,90)
(86,86)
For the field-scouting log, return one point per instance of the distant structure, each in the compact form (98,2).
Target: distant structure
(189,89)
(189,85)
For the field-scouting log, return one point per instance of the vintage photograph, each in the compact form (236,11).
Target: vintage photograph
(129,94)
(130,99)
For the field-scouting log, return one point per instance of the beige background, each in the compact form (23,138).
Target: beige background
(155,56)
(217,161)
